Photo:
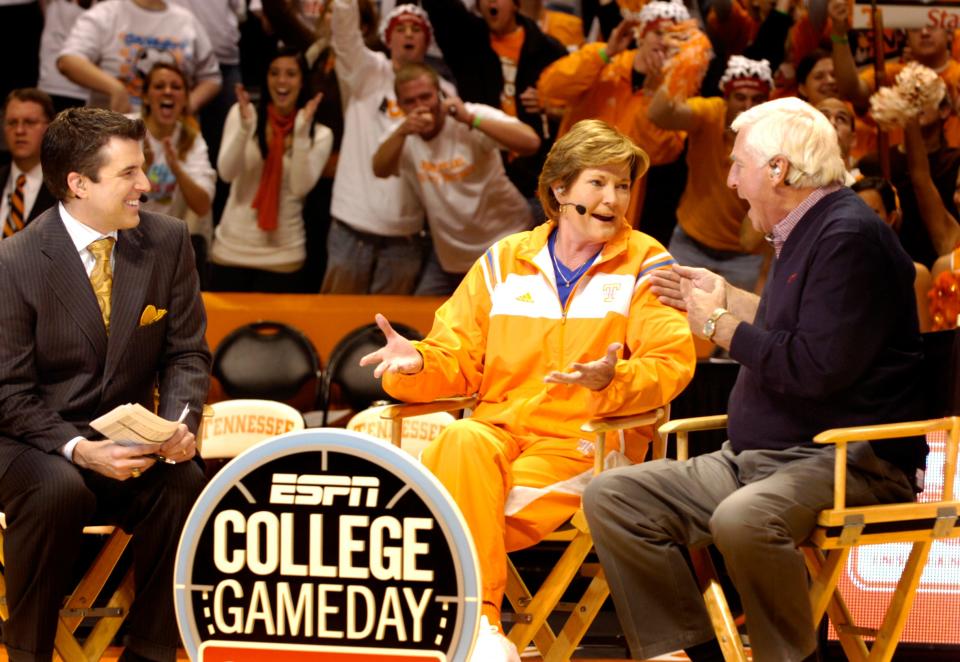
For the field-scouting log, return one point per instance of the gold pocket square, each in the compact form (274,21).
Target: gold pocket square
(151,314)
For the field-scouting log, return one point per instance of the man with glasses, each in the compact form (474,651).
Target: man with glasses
(27,112)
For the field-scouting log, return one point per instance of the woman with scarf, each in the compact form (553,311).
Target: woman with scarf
(272,156)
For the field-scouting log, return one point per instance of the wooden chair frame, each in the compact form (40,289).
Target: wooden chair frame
(532,609)
(841,528)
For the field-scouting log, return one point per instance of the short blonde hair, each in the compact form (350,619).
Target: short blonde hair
(588,144)
(795,130)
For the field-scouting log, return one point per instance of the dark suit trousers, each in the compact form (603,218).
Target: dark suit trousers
(47,502)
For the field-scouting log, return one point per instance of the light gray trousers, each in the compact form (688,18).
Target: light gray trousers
(755,507)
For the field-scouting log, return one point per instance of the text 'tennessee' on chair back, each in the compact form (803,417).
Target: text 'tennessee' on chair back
(532,609)
(232,426)
(417,431)
(268,360)
(841,528)
(345,381)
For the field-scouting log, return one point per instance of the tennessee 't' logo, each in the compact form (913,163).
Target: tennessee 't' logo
(610,291)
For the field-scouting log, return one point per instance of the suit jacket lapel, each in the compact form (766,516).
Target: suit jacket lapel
(69,282)
(131,276)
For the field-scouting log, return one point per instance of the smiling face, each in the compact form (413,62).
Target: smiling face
(820,83)
(112,202)
(408,40)
(166,96)
(605,193)
(23,125)
(500,15)
(284,81)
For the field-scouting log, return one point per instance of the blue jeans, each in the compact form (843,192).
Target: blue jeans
(740,269)
(434,281)
(362,263)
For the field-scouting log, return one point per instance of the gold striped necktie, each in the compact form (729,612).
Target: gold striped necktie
(101,278)
(15,217)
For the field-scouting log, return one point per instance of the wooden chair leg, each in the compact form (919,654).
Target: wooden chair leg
(717,608)
(551,591)
(93,582)
(67,646)
(896,617)
(107,627)
(825,572)
(519,596)
(580,619)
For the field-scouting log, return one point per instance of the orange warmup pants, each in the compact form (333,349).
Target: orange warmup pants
(479,464)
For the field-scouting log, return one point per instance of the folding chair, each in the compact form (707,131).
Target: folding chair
(841,528)
(533,609)
(348,384)
(269,360)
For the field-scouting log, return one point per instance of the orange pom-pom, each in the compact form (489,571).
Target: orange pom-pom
(686,65)
(944,299)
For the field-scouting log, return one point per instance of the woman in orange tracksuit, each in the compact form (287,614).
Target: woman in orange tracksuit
(549,328)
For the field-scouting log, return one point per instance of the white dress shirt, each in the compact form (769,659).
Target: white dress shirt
(82,236)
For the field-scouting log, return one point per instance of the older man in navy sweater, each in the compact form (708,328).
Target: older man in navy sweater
(832,342)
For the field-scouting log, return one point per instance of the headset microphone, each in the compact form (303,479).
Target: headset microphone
(143,197)
(580,208)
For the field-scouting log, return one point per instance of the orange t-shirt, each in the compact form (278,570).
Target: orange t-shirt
(565,28)
(508,48)
(710,211)
(593,89)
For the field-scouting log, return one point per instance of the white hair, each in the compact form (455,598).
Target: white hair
(795,130)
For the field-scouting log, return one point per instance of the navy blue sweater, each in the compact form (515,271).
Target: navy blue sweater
(835,341)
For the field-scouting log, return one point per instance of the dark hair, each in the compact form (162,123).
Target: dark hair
(74,142)
(264,101)
(413,70)
(809,61)
(38,97)
(189,126)
(882,186)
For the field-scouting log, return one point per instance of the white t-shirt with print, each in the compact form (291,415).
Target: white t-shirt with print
(125,40)
(470,201)
(166,197)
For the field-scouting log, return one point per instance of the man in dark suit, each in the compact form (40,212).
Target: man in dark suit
(26,114)
(100,304)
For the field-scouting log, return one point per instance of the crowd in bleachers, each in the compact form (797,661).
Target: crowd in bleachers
(282,133)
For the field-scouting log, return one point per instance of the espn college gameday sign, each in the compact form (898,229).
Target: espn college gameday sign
(326,545)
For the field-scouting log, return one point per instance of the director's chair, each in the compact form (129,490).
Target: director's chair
(81,604)
(839,529)
(531,609)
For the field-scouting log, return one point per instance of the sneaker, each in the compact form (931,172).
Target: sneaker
(492,645)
